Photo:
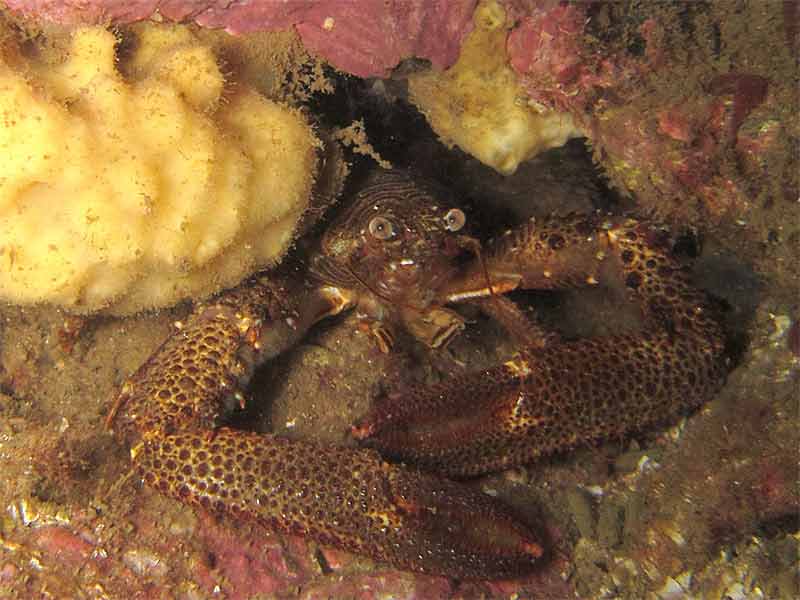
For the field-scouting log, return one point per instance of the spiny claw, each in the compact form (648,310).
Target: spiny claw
(541,402)
(550,399)
(342,497)
(346,498)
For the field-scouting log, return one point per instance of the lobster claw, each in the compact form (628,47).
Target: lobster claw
(456,530)
(343,497)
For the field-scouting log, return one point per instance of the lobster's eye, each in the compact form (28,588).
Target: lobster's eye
(454,219)
(381,228)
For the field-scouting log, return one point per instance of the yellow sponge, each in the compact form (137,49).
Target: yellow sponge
(134,192)
(478,105)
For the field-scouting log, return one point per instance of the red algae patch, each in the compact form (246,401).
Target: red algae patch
(63,545)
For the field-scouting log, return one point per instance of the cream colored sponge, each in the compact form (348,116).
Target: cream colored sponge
(132,192)
(478,105)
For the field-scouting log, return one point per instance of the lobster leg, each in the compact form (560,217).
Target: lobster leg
(349,498)
(522,326)
(552,398)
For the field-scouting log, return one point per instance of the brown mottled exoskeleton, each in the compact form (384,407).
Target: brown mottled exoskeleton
(399,256)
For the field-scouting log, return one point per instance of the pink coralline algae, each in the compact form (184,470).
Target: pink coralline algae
(545,49)
(367,38)
(62,543)
(669,119)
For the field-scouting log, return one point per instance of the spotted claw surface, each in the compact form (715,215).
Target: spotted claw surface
(343,497)
(569,393)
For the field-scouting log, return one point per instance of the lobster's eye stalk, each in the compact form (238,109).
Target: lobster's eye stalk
(454,219)
(381,228)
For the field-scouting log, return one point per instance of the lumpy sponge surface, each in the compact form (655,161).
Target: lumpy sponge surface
(136,183)
(478,104)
